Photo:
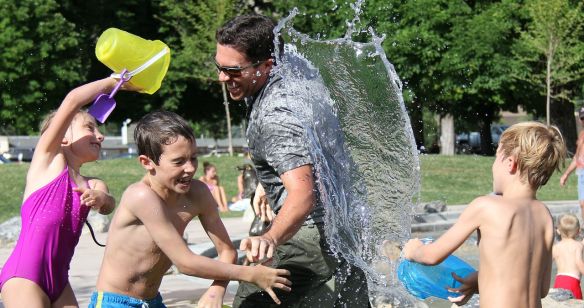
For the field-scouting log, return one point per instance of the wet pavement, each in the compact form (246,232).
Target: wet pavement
(183,291)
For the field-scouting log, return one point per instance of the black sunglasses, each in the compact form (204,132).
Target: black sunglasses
(235,71)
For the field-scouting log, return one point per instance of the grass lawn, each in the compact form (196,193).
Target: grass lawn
(452,179)
(461,178)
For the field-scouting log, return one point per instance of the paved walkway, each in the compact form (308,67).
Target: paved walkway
(180,290)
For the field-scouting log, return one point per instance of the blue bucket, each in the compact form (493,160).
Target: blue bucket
(424,281)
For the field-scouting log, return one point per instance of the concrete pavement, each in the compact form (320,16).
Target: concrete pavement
(183,291)
(177,290)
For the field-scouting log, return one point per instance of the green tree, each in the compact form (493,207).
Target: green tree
(91,18)
(189,28)
(38,62)
(418,37)
(550,54)
(480,63)
(322,19)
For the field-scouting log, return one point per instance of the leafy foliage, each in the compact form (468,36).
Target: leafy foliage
(38,62)
(550,54)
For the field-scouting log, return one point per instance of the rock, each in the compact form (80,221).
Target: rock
(435,207)
(558,298)
(9,231)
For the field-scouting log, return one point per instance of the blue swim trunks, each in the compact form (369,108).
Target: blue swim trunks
(114,300)
(580,174)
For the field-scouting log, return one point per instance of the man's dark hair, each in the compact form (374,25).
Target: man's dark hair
(252,35)
(160,128)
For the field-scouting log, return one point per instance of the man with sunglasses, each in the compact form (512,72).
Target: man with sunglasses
(578,165)
(278,143)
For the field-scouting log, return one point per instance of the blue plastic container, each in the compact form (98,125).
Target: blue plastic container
(424,281)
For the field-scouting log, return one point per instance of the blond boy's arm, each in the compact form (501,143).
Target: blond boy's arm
(436,252)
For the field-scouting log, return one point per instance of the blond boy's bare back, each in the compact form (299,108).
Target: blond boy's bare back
(515,229)
(134,262)
(515,251)
(515,247)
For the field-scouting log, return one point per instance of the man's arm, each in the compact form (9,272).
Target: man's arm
(299,184)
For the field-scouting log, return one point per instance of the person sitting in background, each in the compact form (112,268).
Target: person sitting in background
(568,255)
(239,195)
(211,178)
(247,183)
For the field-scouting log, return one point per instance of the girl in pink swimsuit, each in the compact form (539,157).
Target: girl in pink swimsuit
(211,179)
(56,203)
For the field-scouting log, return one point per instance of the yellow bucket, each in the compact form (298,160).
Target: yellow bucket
(146,61)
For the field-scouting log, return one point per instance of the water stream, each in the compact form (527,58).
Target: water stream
(362,146)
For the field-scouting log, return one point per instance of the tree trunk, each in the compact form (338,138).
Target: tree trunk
(228,116)
(487,146)
(562,116)
(548,82)
(417,121)
(447,135)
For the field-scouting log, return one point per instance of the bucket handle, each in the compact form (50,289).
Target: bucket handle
(144,66)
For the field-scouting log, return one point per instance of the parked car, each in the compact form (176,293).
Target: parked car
(124,155)
(3,160)
(468,143)
(19,155)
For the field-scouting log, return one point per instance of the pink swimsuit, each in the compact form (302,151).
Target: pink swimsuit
(52,219)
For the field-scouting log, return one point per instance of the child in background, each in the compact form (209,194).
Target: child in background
(145,236)
(211,178)
(515,229)
(57,199)
(568,256)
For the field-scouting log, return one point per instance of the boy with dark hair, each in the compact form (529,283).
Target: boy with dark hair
(145,236)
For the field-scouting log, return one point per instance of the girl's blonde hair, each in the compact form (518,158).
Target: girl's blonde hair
(568,225)
(49,117)
(538,149)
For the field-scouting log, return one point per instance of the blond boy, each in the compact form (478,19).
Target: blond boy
(145,235)
(515,229)
(568,255)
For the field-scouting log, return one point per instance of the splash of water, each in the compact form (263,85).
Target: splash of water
(362,147)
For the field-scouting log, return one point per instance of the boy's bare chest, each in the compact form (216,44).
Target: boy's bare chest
(181,215)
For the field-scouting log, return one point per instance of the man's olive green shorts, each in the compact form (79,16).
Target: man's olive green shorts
(312,271)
